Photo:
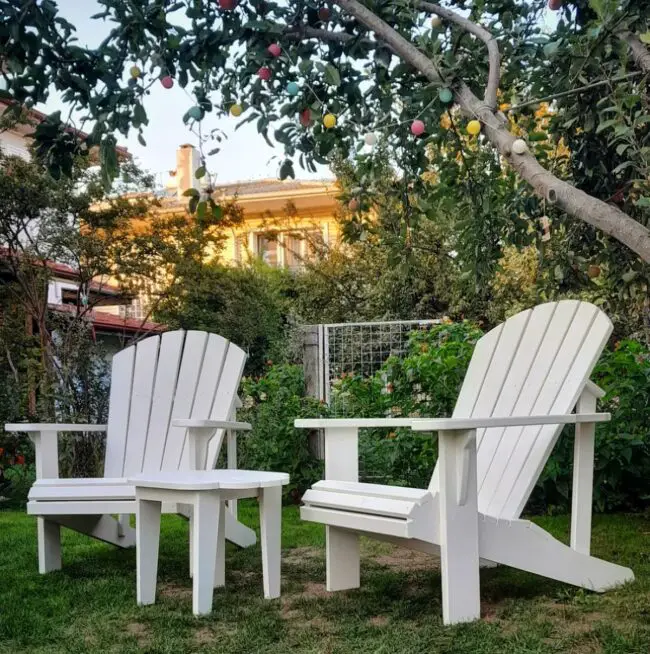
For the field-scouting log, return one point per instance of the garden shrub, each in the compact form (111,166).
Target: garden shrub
(423,383)
(271,403)
(622,461)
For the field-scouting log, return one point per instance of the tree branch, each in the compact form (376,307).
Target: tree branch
(494,56)
(639,51)
(403,48)
(573,201)
(579,89)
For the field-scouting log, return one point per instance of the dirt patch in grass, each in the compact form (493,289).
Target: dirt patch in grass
(140,632)
(174,591)
(404,559)
(204,636)
(378,621)
(299,555)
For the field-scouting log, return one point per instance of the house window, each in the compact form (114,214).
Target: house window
(267,248)
(293,251)
(134,310)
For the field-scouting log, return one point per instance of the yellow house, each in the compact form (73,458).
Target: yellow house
(282,220)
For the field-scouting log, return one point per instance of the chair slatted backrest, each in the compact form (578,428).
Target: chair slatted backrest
(177,374)
(535,363)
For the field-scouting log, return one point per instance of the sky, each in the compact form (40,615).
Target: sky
(244,155)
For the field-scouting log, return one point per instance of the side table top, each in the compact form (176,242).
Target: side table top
(196,480)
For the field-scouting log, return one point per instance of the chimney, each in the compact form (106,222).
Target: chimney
(187,163)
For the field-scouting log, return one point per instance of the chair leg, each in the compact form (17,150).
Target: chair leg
(343,561)
(270,535)
(459,538)
(147,525)
(190,522)
(49,545)
(204,542)
(220,565)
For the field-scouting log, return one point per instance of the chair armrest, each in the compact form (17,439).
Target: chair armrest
(355,423)
(193,423)
(45,439)
(51,427)
(461,424)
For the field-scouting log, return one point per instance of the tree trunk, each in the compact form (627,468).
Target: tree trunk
(639,51)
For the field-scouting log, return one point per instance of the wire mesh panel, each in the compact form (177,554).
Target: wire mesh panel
(362,348)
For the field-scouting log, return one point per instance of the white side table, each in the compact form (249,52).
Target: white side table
(207,492)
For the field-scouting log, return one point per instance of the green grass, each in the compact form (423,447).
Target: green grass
(90,606)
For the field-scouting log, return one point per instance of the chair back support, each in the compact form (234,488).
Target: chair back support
(177,374)
(535,363)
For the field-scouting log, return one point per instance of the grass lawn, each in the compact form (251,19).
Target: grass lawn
(90,606)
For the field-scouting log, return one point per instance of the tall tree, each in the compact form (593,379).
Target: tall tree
(333,75)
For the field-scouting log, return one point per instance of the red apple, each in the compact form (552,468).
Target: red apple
(554,5)
(305,117)
(167,81)
(264,73)
(593,271)
(274,50)
(324,14)
(353,204)
(228,5)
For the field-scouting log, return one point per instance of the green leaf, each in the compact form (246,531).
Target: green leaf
(141,140)
(645,37)
(201,210)
(551,49)
(200,172)
(606,124)
(332,76)
(286,170)
(191,193)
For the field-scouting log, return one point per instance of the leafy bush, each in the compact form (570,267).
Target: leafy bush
(423,383)
(271,403)
(622,461)
(15,482)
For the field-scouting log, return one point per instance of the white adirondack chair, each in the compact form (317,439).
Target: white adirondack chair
(172,400)
(523,382)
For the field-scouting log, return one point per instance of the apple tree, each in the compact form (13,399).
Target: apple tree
(334,77)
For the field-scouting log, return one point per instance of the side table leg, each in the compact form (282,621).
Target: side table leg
(220,564)
(147,527)
(204,548)
(271,530)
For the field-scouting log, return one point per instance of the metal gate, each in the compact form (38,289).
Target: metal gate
(361,348)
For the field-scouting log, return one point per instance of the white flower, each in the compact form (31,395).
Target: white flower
(262,397)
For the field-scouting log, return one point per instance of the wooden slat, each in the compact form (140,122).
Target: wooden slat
(359,503)
(374,524)
(473,383)
(417,495)
(512,450)
(208,384)
(96,492)
(226,396)
(169,360)
(188,376)
(566,396)
(544,334)
(144,374)
(118,412)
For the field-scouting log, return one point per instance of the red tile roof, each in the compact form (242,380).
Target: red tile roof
(103,321)
(39,116)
